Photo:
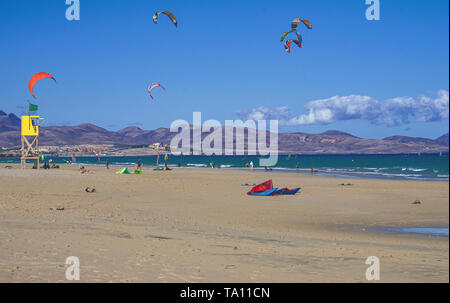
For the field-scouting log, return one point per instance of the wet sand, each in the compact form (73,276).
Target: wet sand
(198,225)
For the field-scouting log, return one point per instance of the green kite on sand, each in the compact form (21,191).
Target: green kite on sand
(125,171)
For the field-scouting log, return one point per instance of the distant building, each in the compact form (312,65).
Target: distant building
(159,146)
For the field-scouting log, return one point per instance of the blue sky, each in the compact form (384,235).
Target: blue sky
(224,57)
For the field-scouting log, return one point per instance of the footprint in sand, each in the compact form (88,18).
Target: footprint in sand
(230,266)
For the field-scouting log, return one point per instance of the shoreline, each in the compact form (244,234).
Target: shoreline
(302,171)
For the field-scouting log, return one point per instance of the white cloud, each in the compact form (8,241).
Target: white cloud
(391,112)
(434,109)
(264,113)
(326,111)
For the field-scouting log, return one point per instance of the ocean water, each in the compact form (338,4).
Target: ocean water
(431,231)
(429,167)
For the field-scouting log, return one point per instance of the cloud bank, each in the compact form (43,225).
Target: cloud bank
(390,112)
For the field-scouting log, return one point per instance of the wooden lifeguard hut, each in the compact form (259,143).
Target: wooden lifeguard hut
(30,139)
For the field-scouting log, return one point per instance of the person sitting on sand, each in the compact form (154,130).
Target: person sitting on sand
(84,170)
(51,164)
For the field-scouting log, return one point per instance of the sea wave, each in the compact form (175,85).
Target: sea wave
(196,165)
(413,169)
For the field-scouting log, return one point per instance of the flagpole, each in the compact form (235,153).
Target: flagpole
(29,115)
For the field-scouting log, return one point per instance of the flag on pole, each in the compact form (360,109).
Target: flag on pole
(32,108)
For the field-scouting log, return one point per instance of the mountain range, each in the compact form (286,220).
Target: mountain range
(329,142)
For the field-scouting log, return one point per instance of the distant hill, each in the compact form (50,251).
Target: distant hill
(332,142)
(9,122)
(329,142)
(336,133)
(443,139)
(410,140)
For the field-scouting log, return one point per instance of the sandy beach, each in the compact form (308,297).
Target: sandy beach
(198,225)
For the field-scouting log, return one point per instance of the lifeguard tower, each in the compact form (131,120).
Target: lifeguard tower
(30,139)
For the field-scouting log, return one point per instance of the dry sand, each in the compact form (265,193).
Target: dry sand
(198,225)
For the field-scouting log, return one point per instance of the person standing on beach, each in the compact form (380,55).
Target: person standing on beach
(138,165)
(251,165)
(297,165)
(107,164)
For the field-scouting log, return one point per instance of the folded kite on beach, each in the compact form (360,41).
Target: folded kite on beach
(269,192)
(125,171)
(266,189)
(287,191)
(162,168)
(260,188)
